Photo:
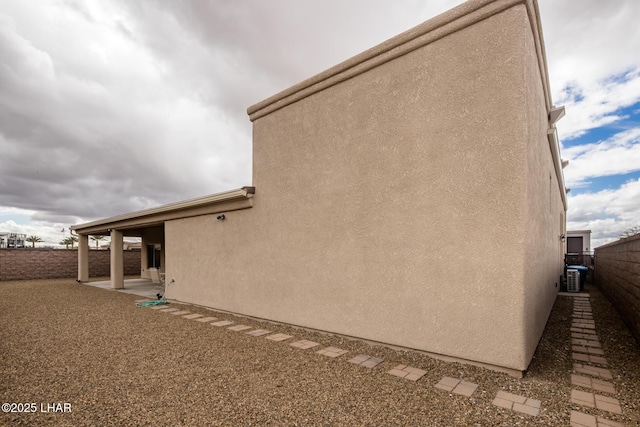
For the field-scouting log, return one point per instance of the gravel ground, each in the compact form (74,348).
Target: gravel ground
(117,364)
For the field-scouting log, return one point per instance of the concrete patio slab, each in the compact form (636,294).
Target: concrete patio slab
(142,287)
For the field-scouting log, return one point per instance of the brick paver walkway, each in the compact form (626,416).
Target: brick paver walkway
(586,350)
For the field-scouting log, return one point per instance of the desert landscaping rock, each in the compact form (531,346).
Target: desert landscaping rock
(117,364)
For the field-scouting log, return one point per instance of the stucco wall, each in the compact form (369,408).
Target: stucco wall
(545,211)
(24,264)
(395,205)
(617,274)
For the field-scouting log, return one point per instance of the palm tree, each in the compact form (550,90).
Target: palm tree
(64,242)
(97,239)
(33,240)
(69,241)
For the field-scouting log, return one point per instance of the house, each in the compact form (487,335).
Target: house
(412,195)
(12,240)
(579,250)
(579,242)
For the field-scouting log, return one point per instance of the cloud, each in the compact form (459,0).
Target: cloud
(589,40)
(619,154)
(93,126)
(597,105)
(591,70)
(608,212)
(112,107)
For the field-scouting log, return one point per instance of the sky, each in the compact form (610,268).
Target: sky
(109,107)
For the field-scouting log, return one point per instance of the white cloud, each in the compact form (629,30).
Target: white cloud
(589,40)
(598,104)
(97,119)
(592,69)
(607,213)
(110,107)
(619,154)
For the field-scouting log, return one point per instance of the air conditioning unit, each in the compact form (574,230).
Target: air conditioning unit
(573,280)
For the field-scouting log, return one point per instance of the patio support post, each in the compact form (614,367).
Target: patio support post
(117,260)
(83,257)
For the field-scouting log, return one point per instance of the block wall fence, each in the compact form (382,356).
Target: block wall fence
(617,274)
(29,264)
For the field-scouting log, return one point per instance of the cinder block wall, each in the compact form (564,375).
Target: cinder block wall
(617,274)
(25,264)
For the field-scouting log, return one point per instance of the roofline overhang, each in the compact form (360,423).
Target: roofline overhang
(460,17)
(554,146)
(211,204)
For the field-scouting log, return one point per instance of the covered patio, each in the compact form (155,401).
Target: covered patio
(146,288)
(149,225)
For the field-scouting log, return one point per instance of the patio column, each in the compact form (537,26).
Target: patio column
(83,257)
(117,260)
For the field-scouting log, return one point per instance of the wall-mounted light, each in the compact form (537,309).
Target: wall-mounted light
(562,237)
(221,217)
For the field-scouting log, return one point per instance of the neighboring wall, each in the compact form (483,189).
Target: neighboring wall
(23,264)
(617,274)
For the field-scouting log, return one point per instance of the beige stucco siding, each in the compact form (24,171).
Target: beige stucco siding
(545,211)
(400,205)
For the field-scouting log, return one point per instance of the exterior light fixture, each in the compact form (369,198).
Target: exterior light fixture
(562,237)
(221,217)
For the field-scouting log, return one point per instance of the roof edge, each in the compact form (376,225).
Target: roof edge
(242,193)
(461,16)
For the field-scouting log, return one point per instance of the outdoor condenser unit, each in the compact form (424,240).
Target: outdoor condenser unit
(573,280)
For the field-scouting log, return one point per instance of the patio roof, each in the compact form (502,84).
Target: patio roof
(211,204)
